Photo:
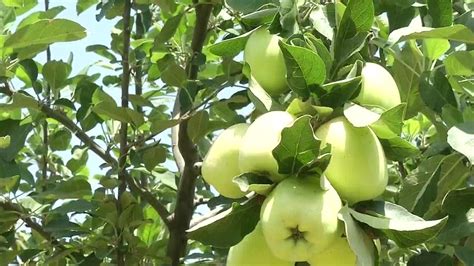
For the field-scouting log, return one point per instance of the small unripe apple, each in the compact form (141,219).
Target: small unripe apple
(221,163)
(358,168)
(299,219)
(254,251)
(262,136)
(378,88)
(339,253)
(266,61)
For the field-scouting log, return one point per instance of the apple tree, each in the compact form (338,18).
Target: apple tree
(227,132)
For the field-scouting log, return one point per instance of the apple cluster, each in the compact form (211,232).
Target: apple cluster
(299,217)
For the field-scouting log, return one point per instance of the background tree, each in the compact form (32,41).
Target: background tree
(138,208)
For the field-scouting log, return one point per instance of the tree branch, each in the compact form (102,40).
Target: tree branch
(89,142)
(187,151)
(9,206)
(123,133)
(47,97)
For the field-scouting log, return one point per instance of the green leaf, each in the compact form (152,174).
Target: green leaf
(198,126)
(288,15)
(458,227)
(27,71)
(424,188)
(154,156)
(75,206)
(167,178)
(174,75)
(304,68)
(260,17)
(458,201)
(436,91)
(390,123)
(359,241)
(5,142)
(169,29)
(461,138)
(74,188)
(101,50)
(83,5)
(356,22)
(298,146)
(34,17)
(228,227)
(460,63)
(45,32)
(248,182)
(60,140)
(430,258)
(441,12)
(17,133)
(248,6)
(230,47)
(8,183)
(457,32)
(318,46)
(397,149)
(108,109)
(406,71)
(56,73)
(158,125)
(465,254)
(397,223)
(298,108)
(435,48)
(139,100)
(339,92)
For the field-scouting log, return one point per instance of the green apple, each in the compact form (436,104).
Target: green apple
(266,61)
(358,168)
(254,251)
(221,163)
(338,254)
(378,87)
(299,219)
(262,136)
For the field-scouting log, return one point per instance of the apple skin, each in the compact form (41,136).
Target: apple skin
(267,65)
(221,163)
(378,88)
(358,168)
(300,204)
(262,136)
(254,251)
(338,254)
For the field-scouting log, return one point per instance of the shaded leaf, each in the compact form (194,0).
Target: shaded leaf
(460,63)
(436,91)
(298,146)
(248,182)
(234,223)
(397,223)
(441,12)
(303,67)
